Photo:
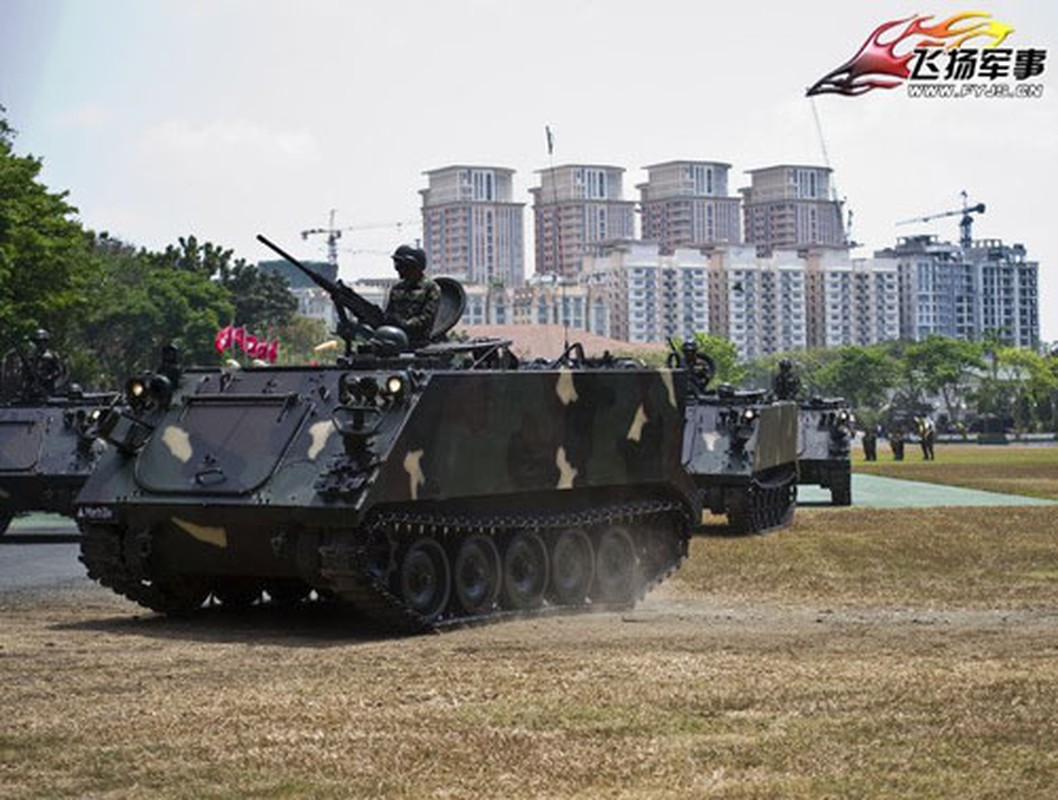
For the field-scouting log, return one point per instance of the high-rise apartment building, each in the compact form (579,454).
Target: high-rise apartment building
(789,207)
(651,296)
(757,301)
(686,204)
(946,291)
(851,301)
(472,228)
(1009,298)
(545,300)
(576,208)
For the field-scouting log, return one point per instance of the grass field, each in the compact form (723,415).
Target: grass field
(859,653)
(1015,469)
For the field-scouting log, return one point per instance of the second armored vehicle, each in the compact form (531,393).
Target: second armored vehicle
(740,447)
(48,445)
(426,488)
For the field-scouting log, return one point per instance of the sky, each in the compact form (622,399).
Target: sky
(228,118)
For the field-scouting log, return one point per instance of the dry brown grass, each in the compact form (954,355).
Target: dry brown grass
(1014,469)
(898,654)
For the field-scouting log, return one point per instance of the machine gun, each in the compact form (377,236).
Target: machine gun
(345,300)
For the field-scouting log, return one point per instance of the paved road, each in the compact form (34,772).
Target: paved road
(872,491)
(40,551)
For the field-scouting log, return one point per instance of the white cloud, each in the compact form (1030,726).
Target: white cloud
(178,136)
(88,116)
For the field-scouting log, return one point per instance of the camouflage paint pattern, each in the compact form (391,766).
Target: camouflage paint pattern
(240,457)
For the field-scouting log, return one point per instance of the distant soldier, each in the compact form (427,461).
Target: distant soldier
(785,385)
(414,300)
(896,441)
(870,443)
(927,435)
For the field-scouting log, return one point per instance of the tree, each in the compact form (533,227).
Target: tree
(862,375)
(944,366)
(261,299)
(141,302)
(1030,386)
(724,355)
(43,269)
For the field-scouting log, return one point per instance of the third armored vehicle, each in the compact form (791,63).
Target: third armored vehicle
(426,488)
(823,452)
(741,449)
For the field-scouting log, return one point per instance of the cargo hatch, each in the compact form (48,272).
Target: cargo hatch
(21,436)
(220,444)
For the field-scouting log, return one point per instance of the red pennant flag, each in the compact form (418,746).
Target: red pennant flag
(222,341)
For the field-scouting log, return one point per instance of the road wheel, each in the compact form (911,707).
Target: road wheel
(424,582)
(287,592)
(236,593)
(615,567)
(178,595)
(525,571)
(477,575)
(572,568)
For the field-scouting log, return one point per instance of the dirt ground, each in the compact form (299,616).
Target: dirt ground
(794,664)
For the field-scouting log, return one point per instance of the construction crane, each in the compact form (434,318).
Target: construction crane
(834,196)
(965,224)
(334,234)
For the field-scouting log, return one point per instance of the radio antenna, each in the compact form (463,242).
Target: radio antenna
(557,238)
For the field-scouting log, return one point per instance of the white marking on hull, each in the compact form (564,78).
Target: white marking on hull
(567,472)
(565,389)
(217,537)
(179,443)
(413,466)
(320,433)
(641,419)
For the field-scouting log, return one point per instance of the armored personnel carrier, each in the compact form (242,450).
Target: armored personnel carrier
(740,447)
(48,444)
(426,488)
(823,452)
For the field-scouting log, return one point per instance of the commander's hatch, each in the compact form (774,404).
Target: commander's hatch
(21,435)
(220,444)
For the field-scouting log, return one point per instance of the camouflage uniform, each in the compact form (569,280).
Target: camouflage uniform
(412,306)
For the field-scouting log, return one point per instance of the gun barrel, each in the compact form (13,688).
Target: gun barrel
(341,295)
(318,279)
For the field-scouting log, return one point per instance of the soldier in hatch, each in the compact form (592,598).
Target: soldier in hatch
(785,385)
(414,300)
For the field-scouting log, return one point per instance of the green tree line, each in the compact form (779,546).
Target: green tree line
(110,305)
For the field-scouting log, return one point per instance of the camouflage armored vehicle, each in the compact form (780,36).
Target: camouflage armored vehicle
(741,449)
(823,453)
(48,444)
(425,488)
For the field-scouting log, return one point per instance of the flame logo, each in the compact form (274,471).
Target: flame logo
(879,65)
